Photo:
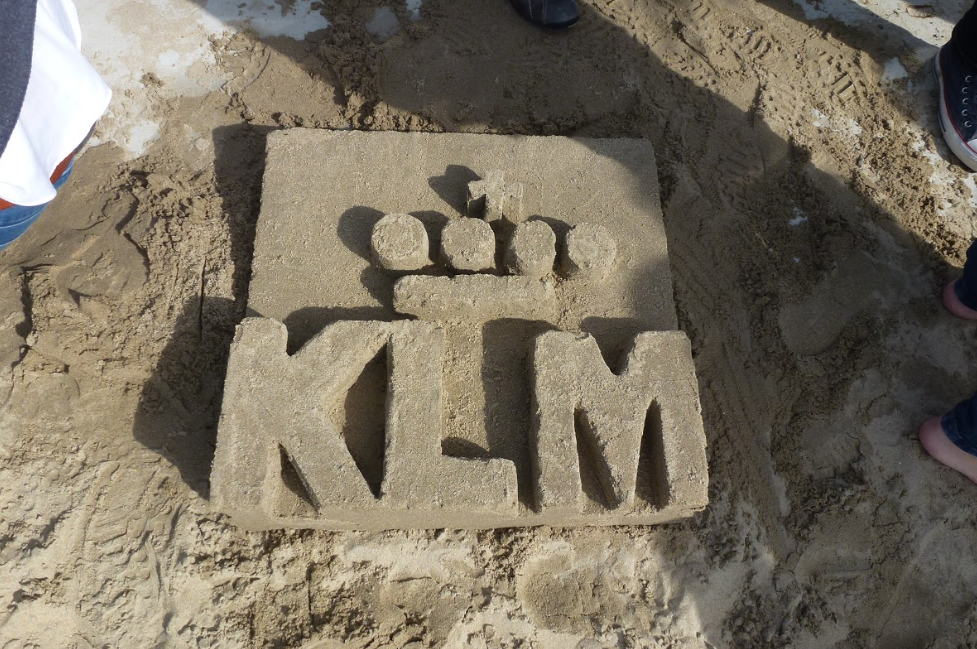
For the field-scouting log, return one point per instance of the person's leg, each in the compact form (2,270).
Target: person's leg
(960,297)
(952,439)
(964,37)
(15,220)
(956,74)
(552,14)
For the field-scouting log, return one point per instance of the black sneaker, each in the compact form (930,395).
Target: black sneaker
(958,104)
(552,14)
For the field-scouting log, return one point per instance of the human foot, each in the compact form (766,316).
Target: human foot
(934,440)
(957,81)
(552,14)
(954,305)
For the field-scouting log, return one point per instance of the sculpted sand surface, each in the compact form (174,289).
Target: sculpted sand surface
(595,439)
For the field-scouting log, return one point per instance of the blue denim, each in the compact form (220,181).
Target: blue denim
(964,36)
(960,424)
(966,286)
(15,220)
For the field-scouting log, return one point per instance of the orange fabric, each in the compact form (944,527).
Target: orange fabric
(55,177)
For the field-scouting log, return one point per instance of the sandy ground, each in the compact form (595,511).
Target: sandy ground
(812,215)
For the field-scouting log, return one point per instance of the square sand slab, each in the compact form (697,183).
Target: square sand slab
(541,390)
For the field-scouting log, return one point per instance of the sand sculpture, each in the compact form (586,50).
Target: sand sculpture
(477,311)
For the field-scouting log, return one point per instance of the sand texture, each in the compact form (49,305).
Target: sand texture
(812,216)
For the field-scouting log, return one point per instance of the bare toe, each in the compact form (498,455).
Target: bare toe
(937,444)
(955,306)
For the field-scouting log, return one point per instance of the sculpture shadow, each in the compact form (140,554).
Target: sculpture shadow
(506,384)
(355,225)
(451,186)
(239,164)
(179,406)
(306,322)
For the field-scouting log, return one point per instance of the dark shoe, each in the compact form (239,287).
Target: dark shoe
(958,111)
(552,14)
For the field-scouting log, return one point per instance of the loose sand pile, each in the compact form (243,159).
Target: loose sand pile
(811,218)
